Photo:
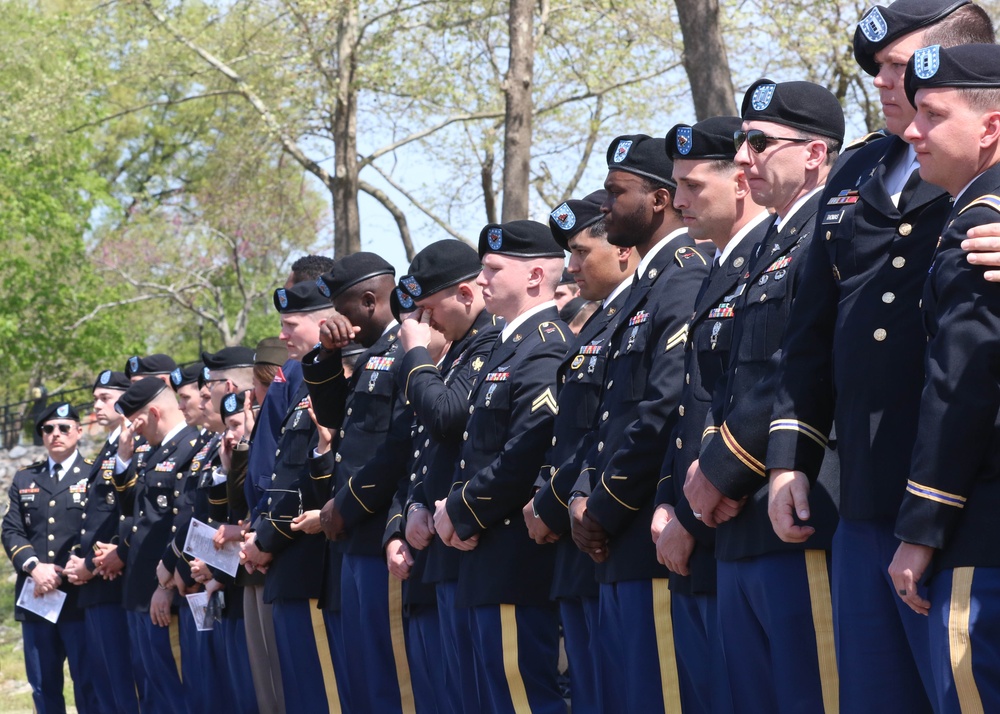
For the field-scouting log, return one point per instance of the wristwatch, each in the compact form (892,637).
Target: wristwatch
(30,566)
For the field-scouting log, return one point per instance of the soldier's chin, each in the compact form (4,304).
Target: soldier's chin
(623,241)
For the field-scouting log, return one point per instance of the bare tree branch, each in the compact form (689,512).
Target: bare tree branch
(400,217)
(165,103)
(420,206)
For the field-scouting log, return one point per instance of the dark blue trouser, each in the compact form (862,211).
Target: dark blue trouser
(334,631)
(230,642)
(303,676)
(882,645)
(424,654)
(163,691)
(776,621)
(114,679)
(458,654)
(580,617)
(704,683)
(964,638)
(203,675)
(517,650)
(46,647)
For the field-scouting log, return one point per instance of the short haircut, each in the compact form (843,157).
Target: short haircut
(967,25)
(650,185)
(598,230)
(983,99)
(310,267)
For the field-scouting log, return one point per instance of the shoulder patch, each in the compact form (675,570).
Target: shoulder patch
(866,139)
(549,329)
(687,254)
(990,201)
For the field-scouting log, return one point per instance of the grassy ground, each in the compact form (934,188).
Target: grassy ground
(15,694)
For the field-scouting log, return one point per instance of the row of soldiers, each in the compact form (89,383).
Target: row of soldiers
(759,479)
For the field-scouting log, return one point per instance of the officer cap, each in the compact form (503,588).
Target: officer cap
(58,410)
(882,25)
(520,239)
(228,358)
(575,215)
(232,404)
(192,374)
(139,395)
(961,67)
(708,139)
(271,350)
(642,155)
(301,297)
(150,365)
(109,379)
(351,270)
(801,105)
(438,266)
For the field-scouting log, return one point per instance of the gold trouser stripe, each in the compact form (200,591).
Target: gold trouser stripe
(511,659)
(174,629)
(664,625)
(399,644)
(325,658)
(822,612)
(960,645)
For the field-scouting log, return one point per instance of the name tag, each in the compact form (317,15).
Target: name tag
(833,217)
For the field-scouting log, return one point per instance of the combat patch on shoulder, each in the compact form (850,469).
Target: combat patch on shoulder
(548,329)
(687,254)
(990,201)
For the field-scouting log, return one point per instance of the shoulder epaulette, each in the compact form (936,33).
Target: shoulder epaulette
(687,253)
(990,201)
(866,139)
(547,329)
(89,461)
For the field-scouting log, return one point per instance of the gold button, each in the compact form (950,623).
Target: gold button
(84,516)
(552,471)
(420,429)
(462,463)
(341,433)
(506,521)
(604,416)
(888,297)
(52,520)
(337,457)
(617,352)
(611,383)
(83,532)
(898,262)
(350,410)
(175,511)
(829,235)
(427,443)
(465,436)
(471,409)
(879,335)
(177,494)
(680,444)
(173,529)
(51,537)
(553,441)
(687,378)
(600,447)
(423,470)
(413,477)
(52,554)
(135,529)
(416,453)
(763,297)
(905,229)
(51,504)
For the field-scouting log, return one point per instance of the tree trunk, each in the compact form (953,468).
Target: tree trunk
(517,88)
(705,58)
(346,215)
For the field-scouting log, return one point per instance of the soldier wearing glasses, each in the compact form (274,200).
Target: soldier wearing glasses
(40,529)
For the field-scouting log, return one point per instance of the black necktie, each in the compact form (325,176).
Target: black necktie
(56,468)
(908,189)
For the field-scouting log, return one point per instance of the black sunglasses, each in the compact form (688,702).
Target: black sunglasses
(63,428)
(758,139)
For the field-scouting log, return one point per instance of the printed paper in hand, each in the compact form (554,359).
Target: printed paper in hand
(198,544)
(198,602)
(48,605)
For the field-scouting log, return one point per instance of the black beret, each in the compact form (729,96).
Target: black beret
(805,106)
(572,308)
(575,215)
(146,366)
(192,374)
(58,410)
(139,395)
(567,278)
(271,350)
(353,349)
(438,266)
(352,270)
(228,358)
(397,298)
(232,404)
(882,25)
(520,239)
(642,155)
(109,379)
(301,297)
(708,139)
(961,67)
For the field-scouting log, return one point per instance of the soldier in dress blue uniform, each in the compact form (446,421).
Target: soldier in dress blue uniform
(153,479)
(41,527)
(789,140)
(441,285)
(292,559)
(947,520)
(612,503)
(604,274)
(853,357)
(506,577)
(714,198)
(114,678)
(371,446)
